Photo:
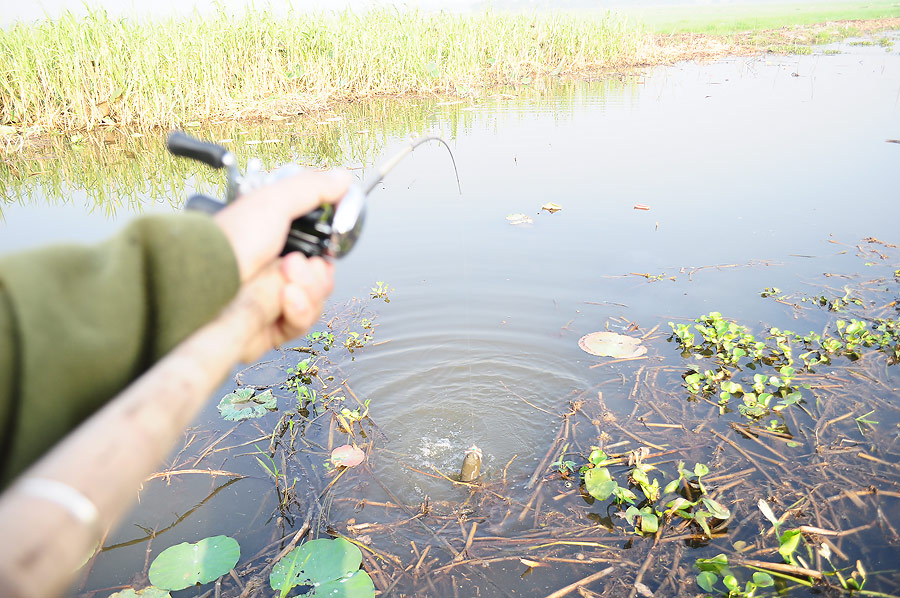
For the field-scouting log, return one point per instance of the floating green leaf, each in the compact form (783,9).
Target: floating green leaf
(242,404)
(186,564)
(598,483)
(715,509)
(789,541)
(330,567)
(706,580)
(763,579)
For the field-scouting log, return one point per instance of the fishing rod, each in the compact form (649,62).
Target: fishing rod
(55,514)
(325,231)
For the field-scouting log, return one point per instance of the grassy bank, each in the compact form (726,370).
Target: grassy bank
(79,73)
(729,19)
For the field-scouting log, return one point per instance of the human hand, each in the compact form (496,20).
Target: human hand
(257,226)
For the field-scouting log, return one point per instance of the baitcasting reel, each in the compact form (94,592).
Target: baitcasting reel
(328,230)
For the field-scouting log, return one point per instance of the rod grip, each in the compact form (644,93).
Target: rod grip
(203,203)
(186,146)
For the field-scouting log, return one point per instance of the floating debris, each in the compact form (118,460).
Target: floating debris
(611,344)
(347,456)
(640,206)
(551,207)
(519,219)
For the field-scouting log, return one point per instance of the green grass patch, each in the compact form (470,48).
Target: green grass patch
(741,18)
(789,49)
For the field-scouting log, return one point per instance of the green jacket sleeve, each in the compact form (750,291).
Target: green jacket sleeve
(78,324)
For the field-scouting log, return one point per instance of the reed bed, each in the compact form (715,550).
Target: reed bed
(78,73)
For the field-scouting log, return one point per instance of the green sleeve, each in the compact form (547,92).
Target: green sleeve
(78,324)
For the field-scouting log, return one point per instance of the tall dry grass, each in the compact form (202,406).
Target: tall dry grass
(76,73)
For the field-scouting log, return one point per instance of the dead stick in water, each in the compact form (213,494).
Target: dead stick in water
(753,438)
(636,438)
(421,559)
(210,472)
(531,501)
(375,571)
(469,539)
(614,361)
(782,568)
(745,455)
(646,565)
(574,586)
(553,445)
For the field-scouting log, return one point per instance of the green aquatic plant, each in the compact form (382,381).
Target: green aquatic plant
(352,416)
(187,564)
(244,404)
(330,568)
(790,541)
(285,493)
(716,568)
(354,340)
(861,421)
(598,481)
(685,497)
(326,339)
(380,291)
(835,303)
(796,49)
(734,352)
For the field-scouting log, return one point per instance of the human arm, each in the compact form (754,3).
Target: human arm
(77,324)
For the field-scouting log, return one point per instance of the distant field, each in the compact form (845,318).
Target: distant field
(736,18)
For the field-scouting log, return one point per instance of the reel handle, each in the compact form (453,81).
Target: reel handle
(186,146)
(203,203)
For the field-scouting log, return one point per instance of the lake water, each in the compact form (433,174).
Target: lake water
(757,172)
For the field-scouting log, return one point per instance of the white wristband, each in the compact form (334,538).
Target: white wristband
(73,501)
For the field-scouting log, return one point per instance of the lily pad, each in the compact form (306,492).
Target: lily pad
(347,456)
(186,564)
(329,567)
(611,344)
(242,404)
(519,219)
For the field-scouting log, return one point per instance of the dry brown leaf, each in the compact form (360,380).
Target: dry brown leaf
(611,344)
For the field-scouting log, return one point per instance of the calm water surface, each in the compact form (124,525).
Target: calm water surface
(771,169)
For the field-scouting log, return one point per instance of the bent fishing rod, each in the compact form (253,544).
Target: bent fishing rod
(327,231)
(55,515)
